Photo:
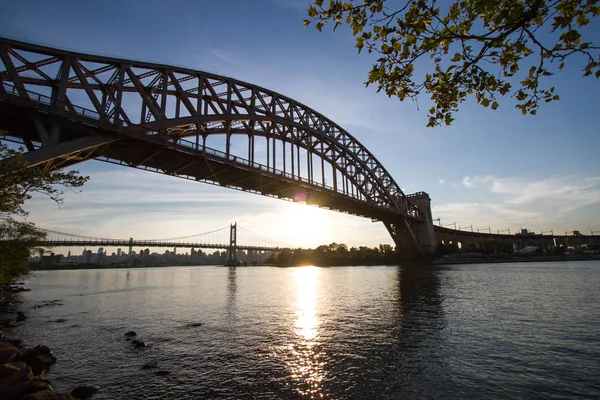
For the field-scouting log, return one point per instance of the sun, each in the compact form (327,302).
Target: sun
(304,225)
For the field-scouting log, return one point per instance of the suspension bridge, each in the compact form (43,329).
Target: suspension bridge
(227,238)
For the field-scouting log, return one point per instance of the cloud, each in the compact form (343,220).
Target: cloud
(476,181)
(441,181)
(517,202)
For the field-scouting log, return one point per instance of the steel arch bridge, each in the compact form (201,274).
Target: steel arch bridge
(67,107)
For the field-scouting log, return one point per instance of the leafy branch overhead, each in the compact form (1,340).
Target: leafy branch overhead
(486,48)
(18,181)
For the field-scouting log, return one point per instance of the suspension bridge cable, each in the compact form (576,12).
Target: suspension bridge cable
(78,236)
(187,237)
(259,237)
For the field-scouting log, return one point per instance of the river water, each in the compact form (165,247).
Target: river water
(502,331)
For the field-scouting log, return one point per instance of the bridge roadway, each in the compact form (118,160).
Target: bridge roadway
(447,235)
(148,243)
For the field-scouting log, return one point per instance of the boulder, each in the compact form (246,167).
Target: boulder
(8,354)
(12,342)
(37,385)
(20,375)
(84,392)
(7,323)
(131,334)
(40,358)
(7,369)
(14,391)
(48,395)
(41,363)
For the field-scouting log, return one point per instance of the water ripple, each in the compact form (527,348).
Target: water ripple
(479,331)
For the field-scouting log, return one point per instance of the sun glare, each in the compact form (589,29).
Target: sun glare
(304,225)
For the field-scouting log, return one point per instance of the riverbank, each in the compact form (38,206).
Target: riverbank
(23,370)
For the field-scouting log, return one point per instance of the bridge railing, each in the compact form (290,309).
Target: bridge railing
(43,102)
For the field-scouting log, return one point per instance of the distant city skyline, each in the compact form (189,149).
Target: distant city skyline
(490,169)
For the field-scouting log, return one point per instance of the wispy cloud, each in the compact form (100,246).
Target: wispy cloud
(518,202)
(475,181)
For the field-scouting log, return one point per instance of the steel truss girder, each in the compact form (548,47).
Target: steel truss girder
(210,104)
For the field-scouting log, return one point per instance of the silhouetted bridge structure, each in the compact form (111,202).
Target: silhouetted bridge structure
(67,107)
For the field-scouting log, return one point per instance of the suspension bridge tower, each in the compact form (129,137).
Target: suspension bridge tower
(232,258)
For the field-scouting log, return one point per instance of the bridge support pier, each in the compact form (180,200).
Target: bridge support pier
(408,234)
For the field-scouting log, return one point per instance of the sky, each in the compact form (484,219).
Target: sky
(494,170)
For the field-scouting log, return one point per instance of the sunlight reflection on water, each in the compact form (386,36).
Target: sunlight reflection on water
(306,366)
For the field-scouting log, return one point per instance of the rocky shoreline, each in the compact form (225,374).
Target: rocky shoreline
(23,370)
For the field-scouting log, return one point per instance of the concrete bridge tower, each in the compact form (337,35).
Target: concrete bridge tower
(424,232)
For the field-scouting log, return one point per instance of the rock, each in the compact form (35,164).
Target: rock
(163,372)
(21,318)
(18,375)
(41,363)
(40,358)
(139,344)
(193,324)
(7,323)
(14,391)
(12,342)
(43,349)
(84,392)
(131,334)
(8,354)
(7,369)
(48,395)
(36,385)
(19,289)
(150,365)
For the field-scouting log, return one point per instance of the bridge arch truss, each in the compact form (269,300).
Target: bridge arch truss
(66,107)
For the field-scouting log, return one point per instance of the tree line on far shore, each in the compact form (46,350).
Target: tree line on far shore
(336,254)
